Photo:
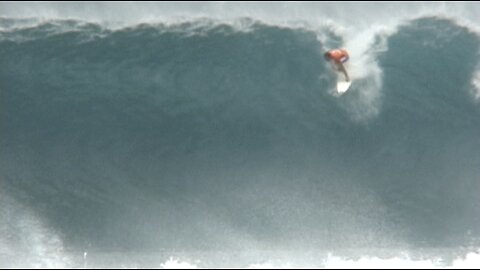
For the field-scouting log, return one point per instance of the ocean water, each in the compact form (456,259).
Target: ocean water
(210,135)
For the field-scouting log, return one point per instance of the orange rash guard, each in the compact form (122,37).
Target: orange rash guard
(338,55)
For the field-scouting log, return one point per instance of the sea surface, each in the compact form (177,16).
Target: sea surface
(210,135)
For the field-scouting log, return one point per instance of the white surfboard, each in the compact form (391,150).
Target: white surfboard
(342,86)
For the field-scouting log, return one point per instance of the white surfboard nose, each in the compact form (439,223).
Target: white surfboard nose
(342,87)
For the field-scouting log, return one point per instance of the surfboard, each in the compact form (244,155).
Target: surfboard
(342,86)
(342,83)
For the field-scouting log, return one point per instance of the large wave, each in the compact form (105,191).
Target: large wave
(203,135)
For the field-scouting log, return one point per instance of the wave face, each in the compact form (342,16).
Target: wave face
(203,136)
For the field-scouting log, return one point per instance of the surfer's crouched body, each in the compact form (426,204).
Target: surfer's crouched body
(338,57)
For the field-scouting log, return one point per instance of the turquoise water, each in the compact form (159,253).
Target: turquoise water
(206,136)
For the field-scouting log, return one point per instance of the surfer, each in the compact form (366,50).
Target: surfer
(338,57)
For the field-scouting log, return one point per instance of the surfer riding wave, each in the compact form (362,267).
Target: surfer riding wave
(338,57)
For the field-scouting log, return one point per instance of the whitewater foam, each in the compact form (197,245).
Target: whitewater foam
(175,263)
(476,85)
(25,239)
(470,261)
